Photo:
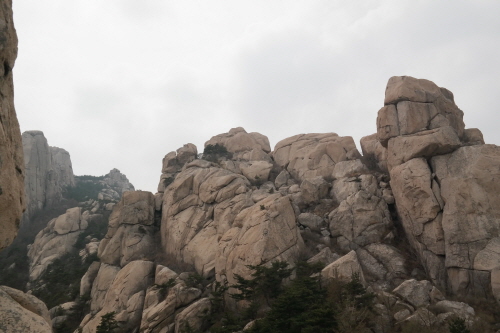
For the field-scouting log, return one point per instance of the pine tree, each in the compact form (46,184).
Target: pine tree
(108,323)
(457,325)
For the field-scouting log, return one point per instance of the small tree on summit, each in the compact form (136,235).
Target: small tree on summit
(215,152)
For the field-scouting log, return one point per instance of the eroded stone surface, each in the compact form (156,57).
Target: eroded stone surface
(312,155)
(12,173)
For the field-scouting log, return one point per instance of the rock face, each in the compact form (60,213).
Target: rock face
(114,185)
(424,181)
(130,230)
(55,240)
(20,312)
(311,155)
(48,173)
(444,183)
(12,202)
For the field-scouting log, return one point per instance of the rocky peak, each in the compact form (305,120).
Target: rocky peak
(444,180)
(114,184)
(243,146)
(48,173)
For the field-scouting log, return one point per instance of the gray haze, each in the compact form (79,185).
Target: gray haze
(120,83)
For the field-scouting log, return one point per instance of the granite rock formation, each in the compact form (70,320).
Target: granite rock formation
(445,184)
(425,185)
(12,202)
(48,173)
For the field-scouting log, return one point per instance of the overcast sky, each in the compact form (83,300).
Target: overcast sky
(120,83)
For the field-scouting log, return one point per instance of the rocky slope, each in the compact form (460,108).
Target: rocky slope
(67,243)
(416,217)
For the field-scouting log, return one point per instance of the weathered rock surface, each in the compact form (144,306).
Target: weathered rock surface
(12,201)
(48,173)
(261,234)
(311,155)
(125,296)
(20,312)
(114,184)
(194,316)
(374,154)
(444,183)
(244,146)
(55,240)
(161,305)
(344,268)
(173,163)
(198,208)
(130,230)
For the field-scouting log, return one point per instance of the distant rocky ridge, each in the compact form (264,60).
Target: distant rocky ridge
(48,173)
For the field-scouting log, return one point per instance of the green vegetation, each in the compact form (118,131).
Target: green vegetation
(87,187)
(75,315)
(457,325)
(61,281)
(165,287)
(96,228)
(15,271)
(214,153)
(108,323)
(195,280)
(301,305)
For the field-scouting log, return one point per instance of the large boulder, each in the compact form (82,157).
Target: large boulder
(130,230)
(419,119)
(307,156)
(361,219)
(426,144)
(417,293)
(444,183)
(471,215)
(55,240)
(198,208)
(12,201)
(173,163)
(344,269)
(193,317)
(261,234)
(20,312)
(161,305)
(242,145)
(125,296)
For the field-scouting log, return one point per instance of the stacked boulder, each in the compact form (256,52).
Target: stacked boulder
(249,154)
(119,281)
(57,239)
(444,181)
